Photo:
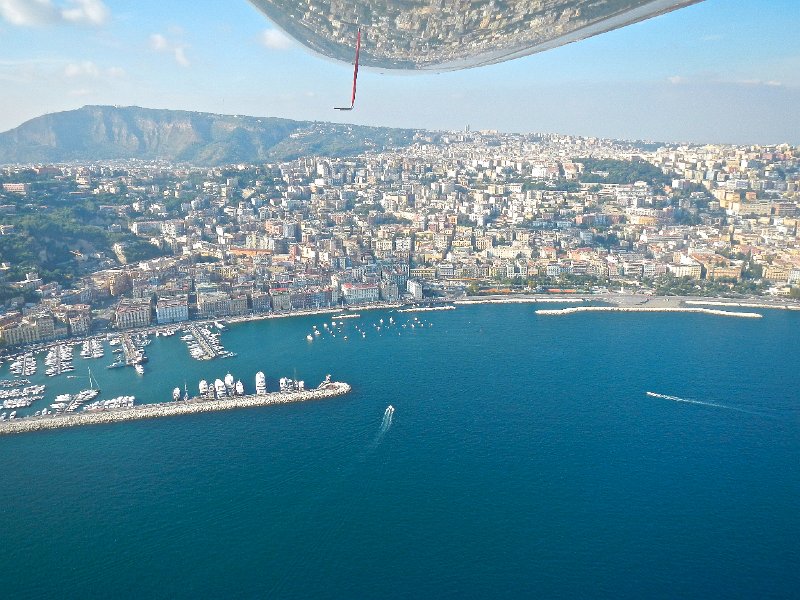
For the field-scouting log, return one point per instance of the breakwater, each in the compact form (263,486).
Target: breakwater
(523,300)
(648,309)
(743,304)
(426,308)
(168,409)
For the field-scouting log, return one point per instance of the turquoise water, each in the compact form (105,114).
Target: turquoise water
(524,459)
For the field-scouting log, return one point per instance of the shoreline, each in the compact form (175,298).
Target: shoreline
(168,409)
(616,299)
(648,309)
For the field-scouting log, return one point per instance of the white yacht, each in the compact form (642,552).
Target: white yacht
(261,384)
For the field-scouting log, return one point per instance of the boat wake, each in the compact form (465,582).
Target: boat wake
(386,423)
(702,403)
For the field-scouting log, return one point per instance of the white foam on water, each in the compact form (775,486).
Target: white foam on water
(702,403)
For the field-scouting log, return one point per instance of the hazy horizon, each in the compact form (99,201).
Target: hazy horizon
(714,72)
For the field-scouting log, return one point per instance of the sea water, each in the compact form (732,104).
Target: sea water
(524,459)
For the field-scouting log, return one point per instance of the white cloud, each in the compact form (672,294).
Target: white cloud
(30,13)
(275,40)
(83,69)
(180,56)
(89,70)
(677,79)
(770,83)
(93,12)
(160,43)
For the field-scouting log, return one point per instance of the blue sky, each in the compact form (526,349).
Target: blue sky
(718,71)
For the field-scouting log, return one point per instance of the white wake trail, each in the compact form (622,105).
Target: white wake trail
(386,423)
(702,403)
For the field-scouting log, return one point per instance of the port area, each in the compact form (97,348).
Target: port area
(132,347)
(203,344)
(328,389)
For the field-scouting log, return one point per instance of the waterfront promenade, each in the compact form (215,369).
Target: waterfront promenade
(168,409)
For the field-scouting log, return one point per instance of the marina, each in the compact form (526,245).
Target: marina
(26,399)
(92,348)
(24,365)
(128,350)
(21,397)
(204,344)
(127,411)
(59,360)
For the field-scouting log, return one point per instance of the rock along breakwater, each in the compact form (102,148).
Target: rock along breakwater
(168,409)
(704,311)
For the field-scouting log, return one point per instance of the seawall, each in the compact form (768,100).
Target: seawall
(168,409)
(704,311)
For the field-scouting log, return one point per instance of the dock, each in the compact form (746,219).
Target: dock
(329,389)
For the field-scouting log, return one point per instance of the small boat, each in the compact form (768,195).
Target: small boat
(176,394)
(310,337)
(139,369)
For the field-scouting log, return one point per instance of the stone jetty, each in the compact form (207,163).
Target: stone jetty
(649,309)
(167,409)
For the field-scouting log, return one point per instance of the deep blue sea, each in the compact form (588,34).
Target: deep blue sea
(523,460)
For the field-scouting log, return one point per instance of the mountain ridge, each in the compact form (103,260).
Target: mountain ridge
(101,132)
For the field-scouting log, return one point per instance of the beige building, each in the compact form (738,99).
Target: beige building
(133,313)
(693,270)
(31,329)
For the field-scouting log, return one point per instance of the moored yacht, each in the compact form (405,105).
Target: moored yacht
(261,384)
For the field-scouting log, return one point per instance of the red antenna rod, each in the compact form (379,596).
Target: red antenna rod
(355,75)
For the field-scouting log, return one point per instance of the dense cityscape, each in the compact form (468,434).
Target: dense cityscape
(464,213)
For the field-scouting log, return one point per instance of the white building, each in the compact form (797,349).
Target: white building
(172,310)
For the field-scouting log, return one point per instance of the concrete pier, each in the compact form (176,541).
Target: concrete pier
(168,409)
(648,309)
